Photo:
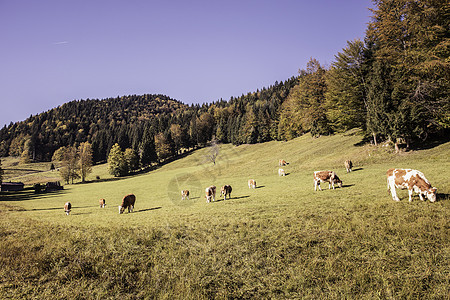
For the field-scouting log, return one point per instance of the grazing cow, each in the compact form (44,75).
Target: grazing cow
(226,190)
(127,202)
(413,180)
(281,172)
(210,193)
(102,203)
(184,194)
(326,176)
(348,165)
(252,184)
(67,207)
(282,162)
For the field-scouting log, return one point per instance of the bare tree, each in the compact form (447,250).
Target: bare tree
(213,151)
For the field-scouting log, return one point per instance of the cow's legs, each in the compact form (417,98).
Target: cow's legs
(410,192)
(420,196)
(318,184)
(393,192)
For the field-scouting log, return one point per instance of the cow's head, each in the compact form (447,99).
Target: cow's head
(121,209)
(337,180)
(431,194)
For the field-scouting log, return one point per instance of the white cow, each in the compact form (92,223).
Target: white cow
(413,180)
(210,193)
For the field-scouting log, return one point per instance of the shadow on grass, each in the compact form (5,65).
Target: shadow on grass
(28,194)
(147,209)
(233,198)
(61,208)
(347,185)
(260,187)
(442,197)
(357,169)
(80,213)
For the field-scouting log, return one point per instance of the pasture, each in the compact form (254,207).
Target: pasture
(280,240)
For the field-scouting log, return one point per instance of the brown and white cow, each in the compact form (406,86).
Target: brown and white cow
(413,180)
(127,202)
(282,162)
(226,191)
(281,172)
(348,165)
(184,194)
(102,203)
(252,184)
(326,176)
(210,193)
(67,208)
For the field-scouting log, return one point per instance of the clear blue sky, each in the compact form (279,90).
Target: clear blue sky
(195,51)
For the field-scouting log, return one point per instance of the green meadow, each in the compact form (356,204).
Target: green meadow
(280,240)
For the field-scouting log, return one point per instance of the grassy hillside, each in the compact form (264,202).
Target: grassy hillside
(281,240)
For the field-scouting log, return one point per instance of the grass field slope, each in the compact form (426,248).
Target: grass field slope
(280,240)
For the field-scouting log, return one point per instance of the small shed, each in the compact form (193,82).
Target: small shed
(11,186)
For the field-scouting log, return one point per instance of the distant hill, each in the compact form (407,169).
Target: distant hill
(134,122)
(80,120)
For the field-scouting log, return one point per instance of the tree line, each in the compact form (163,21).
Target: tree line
(394,84)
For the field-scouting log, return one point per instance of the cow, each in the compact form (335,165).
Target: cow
(282,162)
(67,208)
(226,190)
(413,180)
(184,194)
(326,176)
(102,203)
(210,193)
(281,172)
(252,184)
(348,165)
(127,202)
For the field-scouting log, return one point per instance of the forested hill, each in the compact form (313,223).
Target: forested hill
(79,121)
(154,126)
(394,85)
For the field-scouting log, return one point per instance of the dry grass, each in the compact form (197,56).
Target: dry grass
(282,240)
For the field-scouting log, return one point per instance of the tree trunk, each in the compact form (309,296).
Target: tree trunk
(374,138)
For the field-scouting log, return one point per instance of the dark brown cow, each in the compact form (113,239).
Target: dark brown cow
(184,194)
(127,202)
(67,208)
(210,193)
(102,203)
(413,180)
(348,165)
(226,191)
(326,176)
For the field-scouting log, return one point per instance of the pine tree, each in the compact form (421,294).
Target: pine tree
(346,94)
(410,49)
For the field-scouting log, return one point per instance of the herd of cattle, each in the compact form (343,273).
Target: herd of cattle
(412,180)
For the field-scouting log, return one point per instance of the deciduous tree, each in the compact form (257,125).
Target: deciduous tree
(85,159)
(116,160)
